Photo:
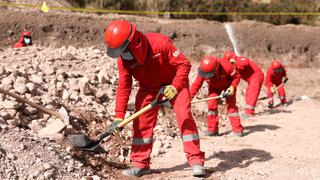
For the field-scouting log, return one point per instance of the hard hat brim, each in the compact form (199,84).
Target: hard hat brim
(205,74)
(116,52)
(278,70)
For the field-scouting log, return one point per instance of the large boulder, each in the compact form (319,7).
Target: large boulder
(53,127)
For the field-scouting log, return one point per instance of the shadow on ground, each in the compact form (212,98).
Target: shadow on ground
(229,160)
(238,159)
(254,128)
(260,128)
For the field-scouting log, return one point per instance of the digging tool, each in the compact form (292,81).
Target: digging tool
(210,98)
(285,80)
(62,114)
(83,142)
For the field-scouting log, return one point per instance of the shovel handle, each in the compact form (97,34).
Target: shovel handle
(206,99)
(153,104)
(210,98)
(135,115)
(280,85)
(20,99)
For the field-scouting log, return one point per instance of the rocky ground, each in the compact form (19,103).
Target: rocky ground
(68,67)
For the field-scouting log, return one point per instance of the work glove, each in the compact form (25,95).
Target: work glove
(285,80)
(114,129)
(170,92)
(229,91)
(273,89)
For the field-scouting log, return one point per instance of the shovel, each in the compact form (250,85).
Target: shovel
(83,142)
(210,98)
(285,80)
(62,114)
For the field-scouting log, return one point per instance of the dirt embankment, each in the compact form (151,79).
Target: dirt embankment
(295,45)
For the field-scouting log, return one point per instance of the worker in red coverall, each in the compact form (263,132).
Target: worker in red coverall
(253,75)
(25,40)
(153,61)
(220,75)
(275,78)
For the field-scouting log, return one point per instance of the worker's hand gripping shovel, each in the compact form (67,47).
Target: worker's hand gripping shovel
(83,142)
(284,81)
(222,95)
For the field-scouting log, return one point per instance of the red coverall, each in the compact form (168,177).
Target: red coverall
(275,78)
(158,63)
(21,43)
(253,75)
(225,76)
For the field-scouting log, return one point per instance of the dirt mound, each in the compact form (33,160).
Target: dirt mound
(295,45)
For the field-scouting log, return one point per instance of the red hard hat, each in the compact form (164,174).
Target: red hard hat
(208,66)
(229,55)
(26,34)
(276,64)
(118,35)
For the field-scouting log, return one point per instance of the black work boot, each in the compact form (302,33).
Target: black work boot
(134,171)
(198,170)
(270,105)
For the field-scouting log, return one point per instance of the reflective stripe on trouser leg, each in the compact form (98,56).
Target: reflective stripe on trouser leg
(212,121)
(188,128)
(143,130)
(233,114)
(282,94)
(270,96)
(282,98)
(190,137)
(249,109)
(235,122)
(253,91)
(141,141)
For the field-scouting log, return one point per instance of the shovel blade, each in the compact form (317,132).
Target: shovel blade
(81,141)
